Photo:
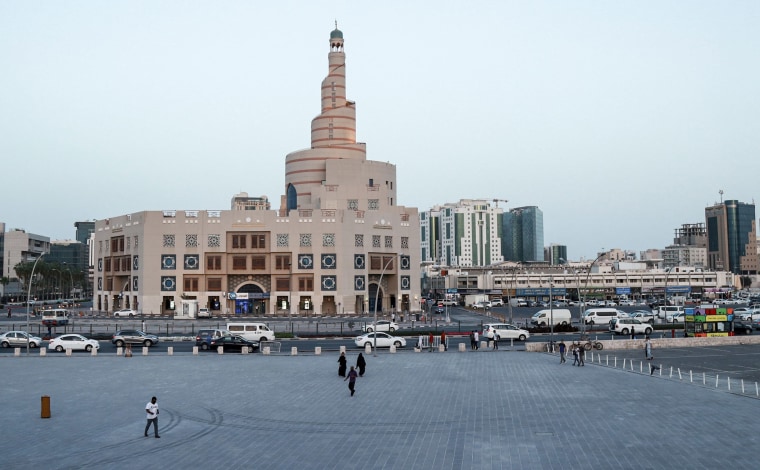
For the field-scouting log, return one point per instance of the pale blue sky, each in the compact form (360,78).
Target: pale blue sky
(621,120)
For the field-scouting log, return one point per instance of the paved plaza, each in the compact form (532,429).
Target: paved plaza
(452,410)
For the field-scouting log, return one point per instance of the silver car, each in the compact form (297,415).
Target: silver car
(133,337)
(14,339)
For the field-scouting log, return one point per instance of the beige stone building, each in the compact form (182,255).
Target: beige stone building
(338,241)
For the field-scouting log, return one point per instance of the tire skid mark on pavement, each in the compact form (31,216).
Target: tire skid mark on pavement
(175,419)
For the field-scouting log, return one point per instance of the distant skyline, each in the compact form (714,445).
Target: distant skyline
(619,120)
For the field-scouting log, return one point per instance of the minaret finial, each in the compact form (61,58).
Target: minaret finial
(336,23)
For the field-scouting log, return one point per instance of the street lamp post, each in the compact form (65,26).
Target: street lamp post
(583,302)
(377,294)
(28,295)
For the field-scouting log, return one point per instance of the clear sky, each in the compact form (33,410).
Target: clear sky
(621,120)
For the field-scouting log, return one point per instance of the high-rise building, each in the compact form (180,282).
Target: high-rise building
(523,229)
(555,254)
(463,234)
(732,237)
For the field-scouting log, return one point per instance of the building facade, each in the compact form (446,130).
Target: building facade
(523,229)
(732,237)
(20,247)
(556,254)
(339,244)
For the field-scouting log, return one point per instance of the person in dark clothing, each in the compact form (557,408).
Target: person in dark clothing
(351,380)
(472,340)
(561,352)
(361,364)
(342,366)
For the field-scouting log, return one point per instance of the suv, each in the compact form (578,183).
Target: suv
(205,337)
(204,313)
(505,331)
(643,316)
(133,337)
(623,326)
(497,303)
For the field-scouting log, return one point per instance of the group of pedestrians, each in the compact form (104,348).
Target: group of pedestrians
(579,354)
(356,371)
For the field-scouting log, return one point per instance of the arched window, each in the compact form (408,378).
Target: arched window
(292,198)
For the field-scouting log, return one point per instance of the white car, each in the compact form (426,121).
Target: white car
(505,331)
(497,303)
(449,302)
(204,313)
(19,339)
(382,325)
(73,342)
(642,316)
(623,326)
(384,340)
(748,313)
(484,305)
(125,312)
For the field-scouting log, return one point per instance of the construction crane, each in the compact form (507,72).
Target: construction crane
(496,201)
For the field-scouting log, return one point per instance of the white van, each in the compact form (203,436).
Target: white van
(251,331)
(560,316)
(55,317)
(667,311)
(600,316)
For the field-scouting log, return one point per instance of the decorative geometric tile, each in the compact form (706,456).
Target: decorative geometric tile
(305,261)
(305,239)
(134,283)
(329,283)
(191,240)
(168,283)
(328,261)
(168,240)
(405,282)
(375,241)
(283,240)
(214,240)
(353,204)
(192,262)
(168,261)
(405,262)
(100,283)
(359,283)
(404,243)
(136,263)
(388,241)
(100,264)
(373,204)
(359,262)
(328,239)
(358,240)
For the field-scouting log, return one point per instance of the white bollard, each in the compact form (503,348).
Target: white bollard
(145,350)
(462,347)
(68,352)
(267,350)
(119,351)
(220,350)
(318,350)
(244,351)
(483,345)
(94,352)
(43,352)
(367,349)
(393,348)
(342,349)
(17,351)
(195,350)
(170,350)
(441,348)
(294,351)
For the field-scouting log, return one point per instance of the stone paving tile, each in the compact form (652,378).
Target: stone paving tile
(474,410)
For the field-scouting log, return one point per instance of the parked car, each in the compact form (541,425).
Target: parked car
(521,302)
(125,312)
(643,316)
(134,337)
(749,315)
(623,326)
(505,331)
(677,317)
(205,336)
(497,303)
(741,327)
(233,343)
(14,339)
(204,313)
(482,305)
(449,302)
(74,342)
(382,325)
(384,340)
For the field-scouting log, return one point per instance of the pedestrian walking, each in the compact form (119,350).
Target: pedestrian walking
(495,341)
(581,356)
(152,410)
(562,352)
(361,364)
(489,335)
(9,312)
(430,341)
(443,341)
(420,342)
(633,332)
(477,339)
(393,317)
(351,380)
(648,349)
(342,365)
(576,362)
(472,340)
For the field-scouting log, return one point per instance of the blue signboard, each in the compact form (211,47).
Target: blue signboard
(678,290)
(622,290)
(540,291)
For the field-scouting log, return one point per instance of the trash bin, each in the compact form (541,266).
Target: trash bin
(45,411)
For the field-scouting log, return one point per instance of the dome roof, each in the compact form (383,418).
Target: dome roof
(336,34)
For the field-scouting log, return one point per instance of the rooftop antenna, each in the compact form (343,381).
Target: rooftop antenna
(720,191)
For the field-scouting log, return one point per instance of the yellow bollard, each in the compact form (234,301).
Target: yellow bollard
(45,413)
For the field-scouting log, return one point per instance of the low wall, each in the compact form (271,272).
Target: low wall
(613,344)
